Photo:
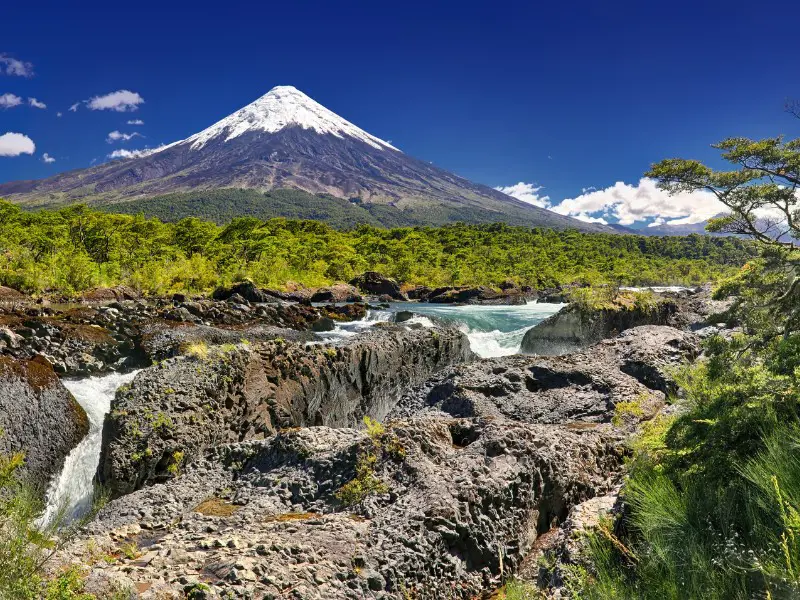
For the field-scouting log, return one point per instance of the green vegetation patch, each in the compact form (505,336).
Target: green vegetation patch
(74,249)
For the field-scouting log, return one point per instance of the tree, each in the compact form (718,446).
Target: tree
(762,196)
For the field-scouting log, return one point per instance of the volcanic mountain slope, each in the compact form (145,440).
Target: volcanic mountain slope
(287,140)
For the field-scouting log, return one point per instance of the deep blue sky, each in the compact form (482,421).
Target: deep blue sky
(566,94)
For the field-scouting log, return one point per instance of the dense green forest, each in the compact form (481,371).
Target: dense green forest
(76,248)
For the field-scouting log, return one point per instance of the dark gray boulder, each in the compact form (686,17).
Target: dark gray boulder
(324,324)
(246,290)
(38,417)
(375,284)
(339,292)
(402,316)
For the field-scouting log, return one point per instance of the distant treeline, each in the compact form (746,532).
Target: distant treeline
(223,205)
(76,248)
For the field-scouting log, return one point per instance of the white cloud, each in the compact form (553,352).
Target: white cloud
(527,192)
(119,101)
(136,122)
(116,136)
(12,66)
(9,101)
(75,106)
(588,219)
(631,203)
(122,153)
(58,114)
(14,144)
(47,158)
(36,104)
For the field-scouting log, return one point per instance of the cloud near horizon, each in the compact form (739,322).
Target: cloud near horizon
(122,153)
(626,204)
(629,204)
(527,192)
(46,158)
(14,144)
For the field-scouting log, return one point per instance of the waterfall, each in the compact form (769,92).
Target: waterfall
(73,490)
(493,330)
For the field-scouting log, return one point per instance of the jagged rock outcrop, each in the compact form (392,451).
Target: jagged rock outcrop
(649,353)
(582,387)
(459,503)
(375,284)
(175,410)
(39,417)
(577,326)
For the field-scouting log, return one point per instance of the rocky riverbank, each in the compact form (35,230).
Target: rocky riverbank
(248,459)
(110,330)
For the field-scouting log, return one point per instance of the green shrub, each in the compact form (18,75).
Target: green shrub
(366,483)
(383,444)
(26,546)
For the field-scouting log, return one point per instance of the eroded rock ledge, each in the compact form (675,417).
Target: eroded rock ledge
(463,502)
(173,411)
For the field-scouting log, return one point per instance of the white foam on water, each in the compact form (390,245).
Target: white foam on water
(424,321)
(490,344)
(73,490)
(351,328)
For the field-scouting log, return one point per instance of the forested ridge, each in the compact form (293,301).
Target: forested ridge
(76,248)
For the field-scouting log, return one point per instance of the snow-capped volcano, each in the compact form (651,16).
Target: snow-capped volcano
(287,140)
(284,106)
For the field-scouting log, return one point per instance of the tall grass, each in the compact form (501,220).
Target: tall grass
(713,499)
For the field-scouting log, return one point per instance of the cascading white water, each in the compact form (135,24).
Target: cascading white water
(492,330)
(73,490)
(349,329)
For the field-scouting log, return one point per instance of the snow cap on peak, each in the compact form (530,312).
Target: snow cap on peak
(284,106)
